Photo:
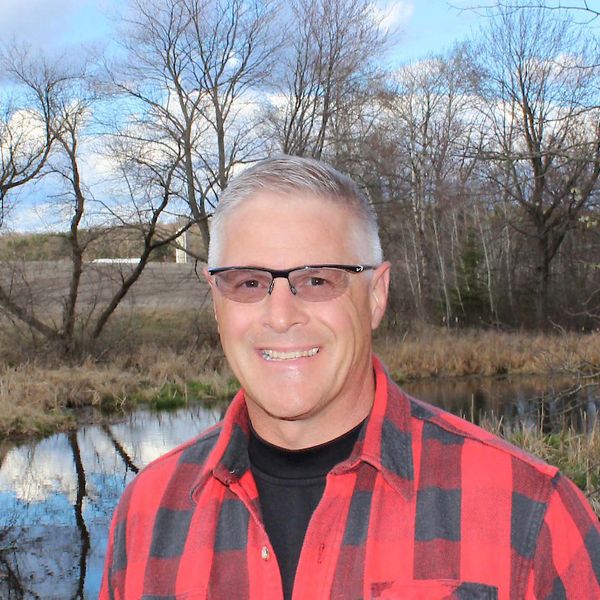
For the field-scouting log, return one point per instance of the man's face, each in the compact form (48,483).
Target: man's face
(300,400)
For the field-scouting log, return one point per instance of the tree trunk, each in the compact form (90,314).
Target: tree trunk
(542,281)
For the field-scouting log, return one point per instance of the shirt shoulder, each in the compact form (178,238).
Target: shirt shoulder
(448,429)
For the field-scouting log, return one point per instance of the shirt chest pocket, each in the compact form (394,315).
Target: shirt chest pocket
(442,589)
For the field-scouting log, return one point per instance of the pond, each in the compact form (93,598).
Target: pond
(57,494)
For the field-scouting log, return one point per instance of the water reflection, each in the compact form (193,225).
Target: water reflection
(550,402)
(57,495)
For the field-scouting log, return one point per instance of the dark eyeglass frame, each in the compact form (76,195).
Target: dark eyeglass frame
(285,274)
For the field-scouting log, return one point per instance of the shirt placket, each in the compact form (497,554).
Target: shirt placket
(322,542)
(263,569)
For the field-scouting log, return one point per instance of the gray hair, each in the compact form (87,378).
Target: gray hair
(285,174)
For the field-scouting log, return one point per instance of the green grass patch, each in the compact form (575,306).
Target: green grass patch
(37,424)
(213,391)
(169,397)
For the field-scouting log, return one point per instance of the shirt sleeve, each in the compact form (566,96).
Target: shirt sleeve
(566,563)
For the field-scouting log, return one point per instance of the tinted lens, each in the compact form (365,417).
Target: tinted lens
(244,285)
(316,285)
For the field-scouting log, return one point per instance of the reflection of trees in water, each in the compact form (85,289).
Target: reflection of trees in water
(78,506)
(572,407)
(119,449)
(4,448)
(552,403)
(11,586)
(21,554)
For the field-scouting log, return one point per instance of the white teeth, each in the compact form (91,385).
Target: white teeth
(276,355)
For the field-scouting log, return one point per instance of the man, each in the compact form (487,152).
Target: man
(324,480)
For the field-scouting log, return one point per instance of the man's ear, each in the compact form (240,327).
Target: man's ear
(211,285)
(380,284)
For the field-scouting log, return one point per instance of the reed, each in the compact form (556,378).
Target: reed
(437,352)
(37,400)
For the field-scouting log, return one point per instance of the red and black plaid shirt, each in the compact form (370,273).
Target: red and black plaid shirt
(427,507)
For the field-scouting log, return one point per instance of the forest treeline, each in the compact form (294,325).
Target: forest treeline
(482,162)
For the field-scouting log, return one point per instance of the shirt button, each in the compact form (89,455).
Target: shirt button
(264,553)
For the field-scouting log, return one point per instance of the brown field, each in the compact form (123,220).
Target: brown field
(162,286)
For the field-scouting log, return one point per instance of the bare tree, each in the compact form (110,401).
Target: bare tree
(69,121)
(73,105)
(579,8)
(327,71)
(26,125)
(79,517)
(194,68)
(431,138)
(152,192)
(539,85)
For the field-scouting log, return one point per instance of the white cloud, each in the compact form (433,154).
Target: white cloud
(394,14)
(31,216)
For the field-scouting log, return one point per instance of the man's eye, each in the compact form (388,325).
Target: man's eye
(314,280)
(317,281)
(250,283)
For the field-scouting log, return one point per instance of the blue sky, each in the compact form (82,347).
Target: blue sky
(425,26)
(429,27)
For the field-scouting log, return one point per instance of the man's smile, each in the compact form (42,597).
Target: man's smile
(269,354)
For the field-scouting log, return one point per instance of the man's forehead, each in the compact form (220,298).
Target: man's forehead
(288,231)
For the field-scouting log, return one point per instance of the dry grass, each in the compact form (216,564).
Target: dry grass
(429,352)
(35,399)
(169,358)
(165,359)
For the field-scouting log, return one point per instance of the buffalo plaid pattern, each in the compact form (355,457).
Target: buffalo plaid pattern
(427,507)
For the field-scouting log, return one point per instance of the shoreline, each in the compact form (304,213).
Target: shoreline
(41,394)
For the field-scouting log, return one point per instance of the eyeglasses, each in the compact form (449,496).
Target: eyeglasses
(314,283)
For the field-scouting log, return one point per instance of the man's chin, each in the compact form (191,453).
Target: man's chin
(283,407)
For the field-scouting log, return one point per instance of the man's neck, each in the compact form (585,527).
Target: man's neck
(299,434)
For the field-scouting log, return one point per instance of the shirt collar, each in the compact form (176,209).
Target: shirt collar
(386,440)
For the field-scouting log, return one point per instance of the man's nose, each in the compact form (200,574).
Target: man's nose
(283,309)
